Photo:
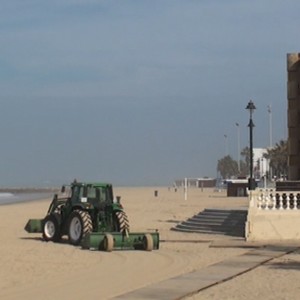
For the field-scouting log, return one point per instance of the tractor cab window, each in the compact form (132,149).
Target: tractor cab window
(91,193)
(79,192)
(76,192)
(101,194)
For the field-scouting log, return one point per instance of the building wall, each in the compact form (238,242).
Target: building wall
(260,161)
(196,182)
(293,95)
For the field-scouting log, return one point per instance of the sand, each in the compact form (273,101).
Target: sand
(31,268)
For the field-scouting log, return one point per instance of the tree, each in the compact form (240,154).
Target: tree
(244,169)
(278,156)
(227,167)
(246,154)
(245,164)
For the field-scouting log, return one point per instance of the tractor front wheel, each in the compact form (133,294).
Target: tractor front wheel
(51,228)
(80,224)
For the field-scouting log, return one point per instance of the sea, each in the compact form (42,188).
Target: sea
(11,198)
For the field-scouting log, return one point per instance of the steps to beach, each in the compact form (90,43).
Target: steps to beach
(216,221)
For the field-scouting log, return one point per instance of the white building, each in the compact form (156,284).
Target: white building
(260,163)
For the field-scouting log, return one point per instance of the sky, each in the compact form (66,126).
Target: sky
(138,92)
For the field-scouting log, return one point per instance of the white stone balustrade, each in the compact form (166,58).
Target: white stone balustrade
(273,216)
(269,199)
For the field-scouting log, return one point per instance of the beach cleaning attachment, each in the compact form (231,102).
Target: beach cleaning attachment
(89,216)
(116,241)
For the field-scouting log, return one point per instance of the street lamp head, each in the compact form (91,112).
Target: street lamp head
(251,106)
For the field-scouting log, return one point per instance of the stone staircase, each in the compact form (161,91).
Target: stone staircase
(216,221)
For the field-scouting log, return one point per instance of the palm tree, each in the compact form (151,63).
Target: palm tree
(245,164)
(278,156)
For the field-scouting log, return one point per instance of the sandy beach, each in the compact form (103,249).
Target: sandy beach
(31,268)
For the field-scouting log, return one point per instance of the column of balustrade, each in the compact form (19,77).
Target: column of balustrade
(274,202)
(295,202)
(259,201)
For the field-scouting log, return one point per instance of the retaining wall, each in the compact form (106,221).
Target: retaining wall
(273,216)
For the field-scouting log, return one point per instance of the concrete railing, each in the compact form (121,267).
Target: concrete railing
(269,199)
(273,215)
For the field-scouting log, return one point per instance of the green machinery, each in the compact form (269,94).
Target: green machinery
(89,216)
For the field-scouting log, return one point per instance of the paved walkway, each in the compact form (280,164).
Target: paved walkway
(191,283)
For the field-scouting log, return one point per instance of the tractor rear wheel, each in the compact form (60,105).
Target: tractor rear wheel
(80,224)
(51,228)
(122,223)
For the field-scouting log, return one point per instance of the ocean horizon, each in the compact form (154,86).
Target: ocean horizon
(11,198)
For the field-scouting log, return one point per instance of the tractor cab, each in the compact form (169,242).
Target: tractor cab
(98,195)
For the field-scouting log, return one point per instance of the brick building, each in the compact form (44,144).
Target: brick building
(293,95)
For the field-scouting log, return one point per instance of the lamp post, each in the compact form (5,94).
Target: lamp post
(251,107)
(226,144)
(270,125)
(270,136)
(238,145)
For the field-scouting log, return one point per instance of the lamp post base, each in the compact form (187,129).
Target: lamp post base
(251,184)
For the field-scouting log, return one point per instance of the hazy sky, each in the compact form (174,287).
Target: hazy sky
(138,92)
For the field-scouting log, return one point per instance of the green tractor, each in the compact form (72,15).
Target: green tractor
(89,215)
